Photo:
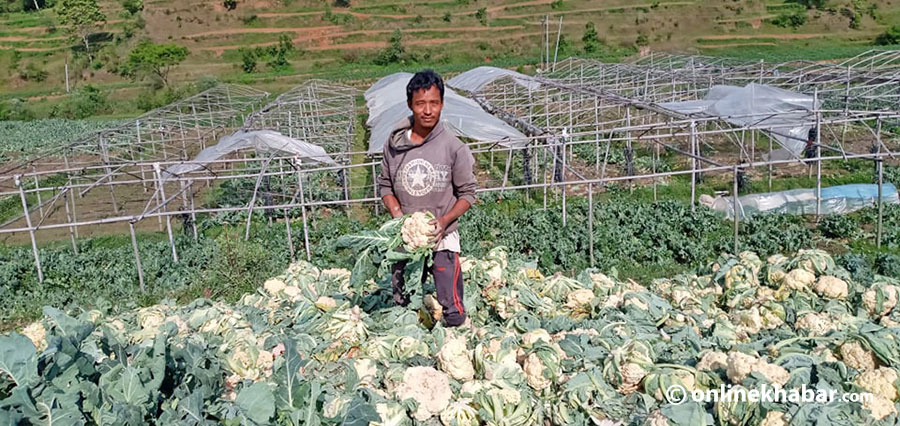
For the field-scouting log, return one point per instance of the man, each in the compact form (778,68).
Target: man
(810,150)
(427,168)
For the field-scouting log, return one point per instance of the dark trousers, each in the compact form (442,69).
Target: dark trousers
(448,281)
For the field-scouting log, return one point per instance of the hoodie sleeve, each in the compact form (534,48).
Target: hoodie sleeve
(385,185)
(464,176)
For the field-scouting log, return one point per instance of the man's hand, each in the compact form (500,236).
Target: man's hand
(440,224)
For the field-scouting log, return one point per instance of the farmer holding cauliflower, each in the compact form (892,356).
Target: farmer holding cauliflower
(427,169)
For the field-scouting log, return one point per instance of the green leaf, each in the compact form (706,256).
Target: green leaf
(257,403)
(687,414)
(18,359)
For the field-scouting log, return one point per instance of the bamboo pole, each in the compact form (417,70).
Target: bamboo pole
(34,249)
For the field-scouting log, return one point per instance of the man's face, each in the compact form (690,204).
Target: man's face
(426,105)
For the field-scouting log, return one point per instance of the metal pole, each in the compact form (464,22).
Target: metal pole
(558,35)
(34,249)
(563,179)
(878,228)
(375,189)
(591,222)
(165,208)
(69,219)
(137,257)
(303,213)
(290,238)
(818,155)
(734,196)
(693,164)
(193,210)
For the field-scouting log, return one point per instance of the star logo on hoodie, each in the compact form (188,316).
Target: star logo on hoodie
(417,177)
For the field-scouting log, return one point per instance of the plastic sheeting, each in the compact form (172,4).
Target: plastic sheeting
(386,100)
(474,79)
(788,111)
(839,199)
(264,141)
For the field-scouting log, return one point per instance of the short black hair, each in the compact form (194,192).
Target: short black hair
(812,134)
(424,79)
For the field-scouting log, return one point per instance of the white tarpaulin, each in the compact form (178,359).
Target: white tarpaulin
(386,100)
(474,79)
(758,105)
(264,141)
(840,199)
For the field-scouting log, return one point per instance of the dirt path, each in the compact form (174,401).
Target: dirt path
(23,39)
(717,46)
(595,9)
(268,30)
(773,36)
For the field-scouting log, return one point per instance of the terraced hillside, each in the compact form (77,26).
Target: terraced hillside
(349,42)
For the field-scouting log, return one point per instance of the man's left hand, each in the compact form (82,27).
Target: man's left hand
(440,225)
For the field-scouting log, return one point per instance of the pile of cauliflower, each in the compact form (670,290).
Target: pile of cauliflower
(560,350)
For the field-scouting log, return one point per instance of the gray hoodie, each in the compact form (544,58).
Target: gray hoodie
(431,176)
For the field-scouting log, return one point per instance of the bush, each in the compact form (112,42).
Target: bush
(642,40)
(794,19)
(230,4)
(393,53)
(83,103)
(590,39)
(248,61)
(15,109)
(448,17)
(889,37)
(133,6)
(33,72)
(341,3)
(481,15)
(556,4)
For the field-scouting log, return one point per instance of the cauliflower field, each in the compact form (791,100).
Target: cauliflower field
(541,351)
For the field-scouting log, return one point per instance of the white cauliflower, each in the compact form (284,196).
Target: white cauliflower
(392,414)
(740,365)
(774,418)
(713,361)
(817,324)
(460,413)
(273,286)
(632,374)
(334,407)
(417,230)
(534,373)
(858,357)
(656,418)
(889,295)
(428,387)
(799,279)
(879,407)
(454,359)
(879,382)
(325,303)
(824,353)
(37,334)
(366,370)
(536,335)
(831,287)
(579,298)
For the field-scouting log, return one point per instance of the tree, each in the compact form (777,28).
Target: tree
(341,3)
(230,4)
(81,17)
(590,39)
(481,15)
(156,59)
(889,37)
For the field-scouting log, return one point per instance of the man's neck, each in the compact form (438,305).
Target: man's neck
(419,133)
